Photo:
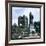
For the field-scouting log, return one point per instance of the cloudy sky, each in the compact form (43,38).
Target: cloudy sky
(20,11)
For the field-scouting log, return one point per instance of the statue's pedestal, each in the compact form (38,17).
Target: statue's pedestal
(32,29)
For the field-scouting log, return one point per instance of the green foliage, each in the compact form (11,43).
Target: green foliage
(37,26)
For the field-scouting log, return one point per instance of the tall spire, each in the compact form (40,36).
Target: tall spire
(30,18)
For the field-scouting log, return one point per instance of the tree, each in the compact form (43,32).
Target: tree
(14,27)
(14,32)
(37,26)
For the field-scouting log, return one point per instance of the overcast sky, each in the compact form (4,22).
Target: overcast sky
(20,11)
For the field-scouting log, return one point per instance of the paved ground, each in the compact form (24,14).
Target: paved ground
(32,36)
